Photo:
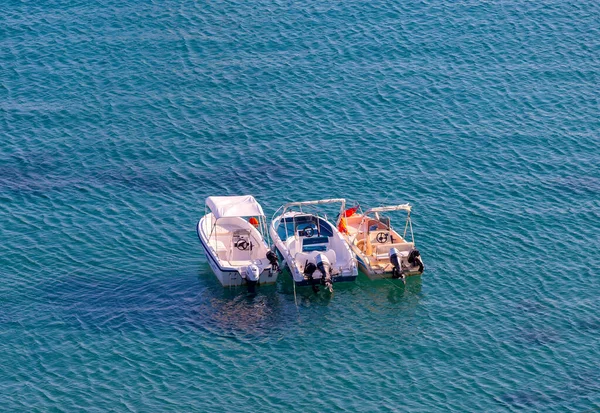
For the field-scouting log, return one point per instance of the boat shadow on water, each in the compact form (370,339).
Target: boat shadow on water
(233,312)
(272,298)
(285,293)
(397,287)
(309,295)
(112,303)
(170,300)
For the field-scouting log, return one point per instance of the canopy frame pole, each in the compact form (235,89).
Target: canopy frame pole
(294,226)
(263,229)
(214,226)
(283,221)
(409,224)
(319,223)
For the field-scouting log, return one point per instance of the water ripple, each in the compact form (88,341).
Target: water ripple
(118,119)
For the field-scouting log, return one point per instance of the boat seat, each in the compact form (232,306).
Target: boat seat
(220,230)
(302,257)
(353,223)
(382,251)
(310,244)
(217,245)
(240,263)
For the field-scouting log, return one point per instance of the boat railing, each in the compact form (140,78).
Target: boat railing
(285,207)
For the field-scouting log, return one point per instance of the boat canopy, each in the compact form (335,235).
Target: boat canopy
(234,206)
(403,207)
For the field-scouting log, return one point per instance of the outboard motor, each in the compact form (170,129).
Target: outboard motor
(272,257)
(324,266)
(414,258)
(252,277)
(395,260)
(309,270)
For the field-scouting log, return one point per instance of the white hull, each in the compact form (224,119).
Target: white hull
(338,252)
(231,276)
(228,263)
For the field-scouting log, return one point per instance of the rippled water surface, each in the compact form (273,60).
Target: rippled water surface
(119,118)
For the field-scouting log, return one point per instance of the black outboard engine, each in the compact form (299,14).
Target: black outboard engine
(309,270)
(414,258)
(272,257)
(395,260)
(324,267)
(252,276)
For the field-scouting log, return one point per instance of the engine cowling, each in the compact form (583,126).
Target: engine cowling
(272,257)
(252,275)
(309,270)
(324,266)
(396,262)
(414,258)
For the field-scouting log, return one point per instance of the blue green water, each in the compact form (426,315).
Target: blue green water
(118,118)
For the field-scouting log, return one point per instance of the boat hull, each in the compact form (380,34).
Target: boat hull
(307,242)
(378,275)
(340,278)
(231,276)
(371,239)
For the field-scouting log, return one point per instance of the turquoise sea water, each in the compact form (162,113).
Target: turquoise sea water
(117,119)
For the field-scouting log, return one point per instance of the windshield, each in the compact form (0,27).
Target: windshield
(290,226)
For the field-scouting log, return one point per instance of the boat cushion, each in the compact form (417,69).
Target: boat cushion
(302,257)
(382,251)
(314,244)
(217,245)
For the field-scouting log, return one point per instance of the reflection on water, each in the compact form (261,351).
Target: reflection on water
(387,291)
(110,302)
(234,312)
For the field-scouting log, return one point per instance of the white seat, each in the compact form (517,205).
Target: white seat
(302,257)
(218,246)
(386,255)
(382,252)
(219,230)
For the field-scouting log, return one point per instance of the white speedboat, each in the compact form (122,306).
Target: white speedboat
(381,251)
(232,235)
(312,248)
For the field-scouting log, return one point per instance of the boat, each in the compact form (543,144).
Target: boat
(311,247)
(381,251)
(232,233)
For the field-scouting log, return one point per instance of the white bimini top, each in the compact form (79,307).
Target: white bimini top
(234,206)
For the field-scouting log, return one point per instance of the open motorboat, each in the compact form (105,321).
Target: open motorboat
(232,235)
(313,248)
(381,251)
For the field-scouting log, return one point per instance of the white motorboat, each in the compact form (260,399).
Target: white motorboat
(312,247)
(233,237)
(381,251)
